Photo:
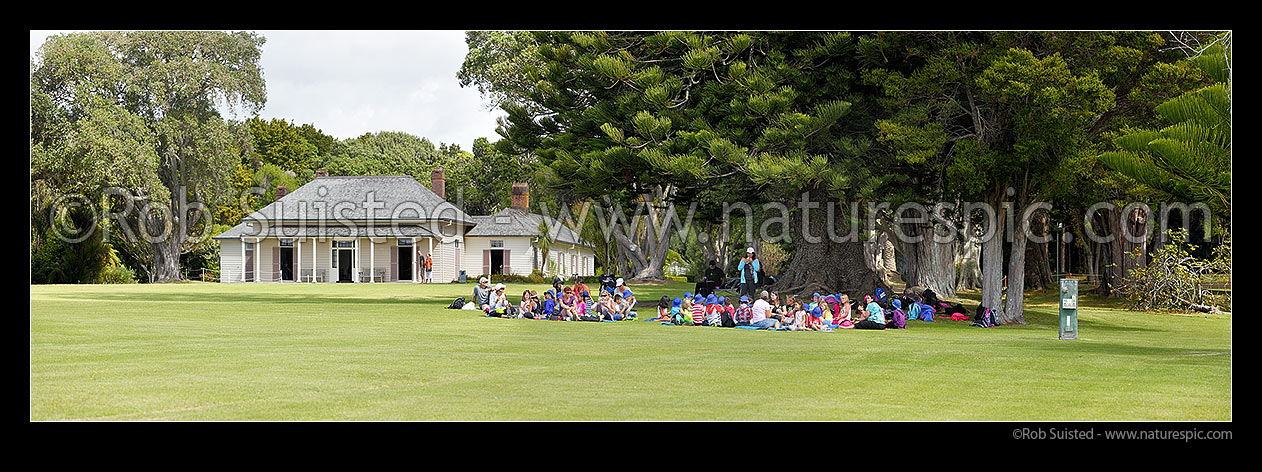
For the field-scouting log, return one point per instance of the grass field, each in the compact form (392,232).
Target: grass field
(197,351)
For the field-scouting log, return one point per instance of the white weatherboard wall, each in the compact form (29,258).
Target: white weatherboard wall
(449,256)
(263,252)
(374,255)
(447,262)
(567,260)
(519,254)
(229,260)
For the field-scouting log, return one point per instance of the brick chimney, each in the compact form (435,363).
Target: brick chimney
(438,183)
(281,191)
(322,172)
(520,196)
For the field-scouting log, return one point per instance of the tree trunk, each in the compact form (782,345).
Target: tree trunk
(166,252)
(166,262)
(969,259)
(826,266)
(1014,311)
(1117,258)
(992,256)
(1038,262)
(935,262)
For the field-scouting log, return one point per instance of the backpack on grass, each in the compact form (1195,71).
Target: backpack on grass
(913,311)
(457,304)
(985,318)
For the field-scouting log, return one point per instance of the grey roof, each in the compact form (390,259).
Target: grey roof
(511,222)
(332,230)
(328,198)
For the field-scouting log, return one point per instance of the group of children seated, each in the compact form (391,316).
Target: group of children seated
(573,303)
(823,312)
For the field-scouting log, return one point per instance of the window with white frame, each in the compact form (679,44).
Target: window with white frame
(405,242)
(497,243)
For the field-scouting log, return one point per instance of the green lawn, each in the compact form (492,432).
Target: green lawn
(198,351)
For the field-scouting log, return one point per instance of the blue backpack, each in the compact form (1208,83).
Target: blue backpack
(880,294)
(926,312)
(913,311)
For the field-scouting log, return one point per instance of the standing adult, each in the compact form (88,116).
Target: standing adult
(749,272)
(429,269)
(759,311)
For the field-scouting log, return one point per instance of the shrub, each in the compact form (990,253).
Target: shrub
(116,274)
(1173,279)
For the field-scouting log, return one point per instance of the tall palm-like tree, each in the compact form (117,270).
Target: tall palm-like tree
(1191,158)
(545,242)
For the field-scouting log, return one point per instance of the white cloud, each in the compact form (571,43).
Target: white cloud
(348,83)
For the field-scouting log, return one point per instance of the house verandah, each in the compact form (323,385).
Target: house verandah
(328,255)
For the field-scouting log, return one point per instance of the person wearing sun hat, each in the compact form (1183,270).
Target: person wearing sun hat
(897,319)
(628,298)
(713,315)
(482,294)
(816,320)
(499,301)
(681,311)
(743,312)
(698,310)
(748,269)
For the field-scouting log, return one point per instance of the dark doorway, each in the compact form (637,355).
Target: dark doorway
(344,265)
(249,265)
(497,262)
(405,263)
(286,263)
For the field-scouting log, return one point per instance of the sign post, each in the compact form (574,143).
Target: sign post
(1068,308)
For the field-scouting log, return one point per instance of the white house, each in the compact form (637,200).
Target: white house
(377,228)
(509,242)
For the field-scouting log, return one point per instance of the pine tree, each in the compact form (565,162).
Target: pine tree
(1191,158)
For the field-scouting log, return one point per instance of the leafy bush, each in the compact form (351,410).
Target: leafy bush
(1173,279)
(116,274)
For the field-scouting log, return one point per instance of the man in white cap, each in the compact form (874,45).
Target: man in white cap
(482,294)
(749,272)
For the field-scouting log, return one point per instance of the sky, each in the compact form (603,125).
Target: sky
(348,83)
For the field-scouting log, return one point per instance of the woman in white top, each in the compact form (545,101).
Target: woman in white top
(499,300)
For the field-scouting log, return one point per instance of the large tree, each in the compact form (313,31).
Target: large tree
(1003,109)
(648,120)
(159,91)
(1190,159)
